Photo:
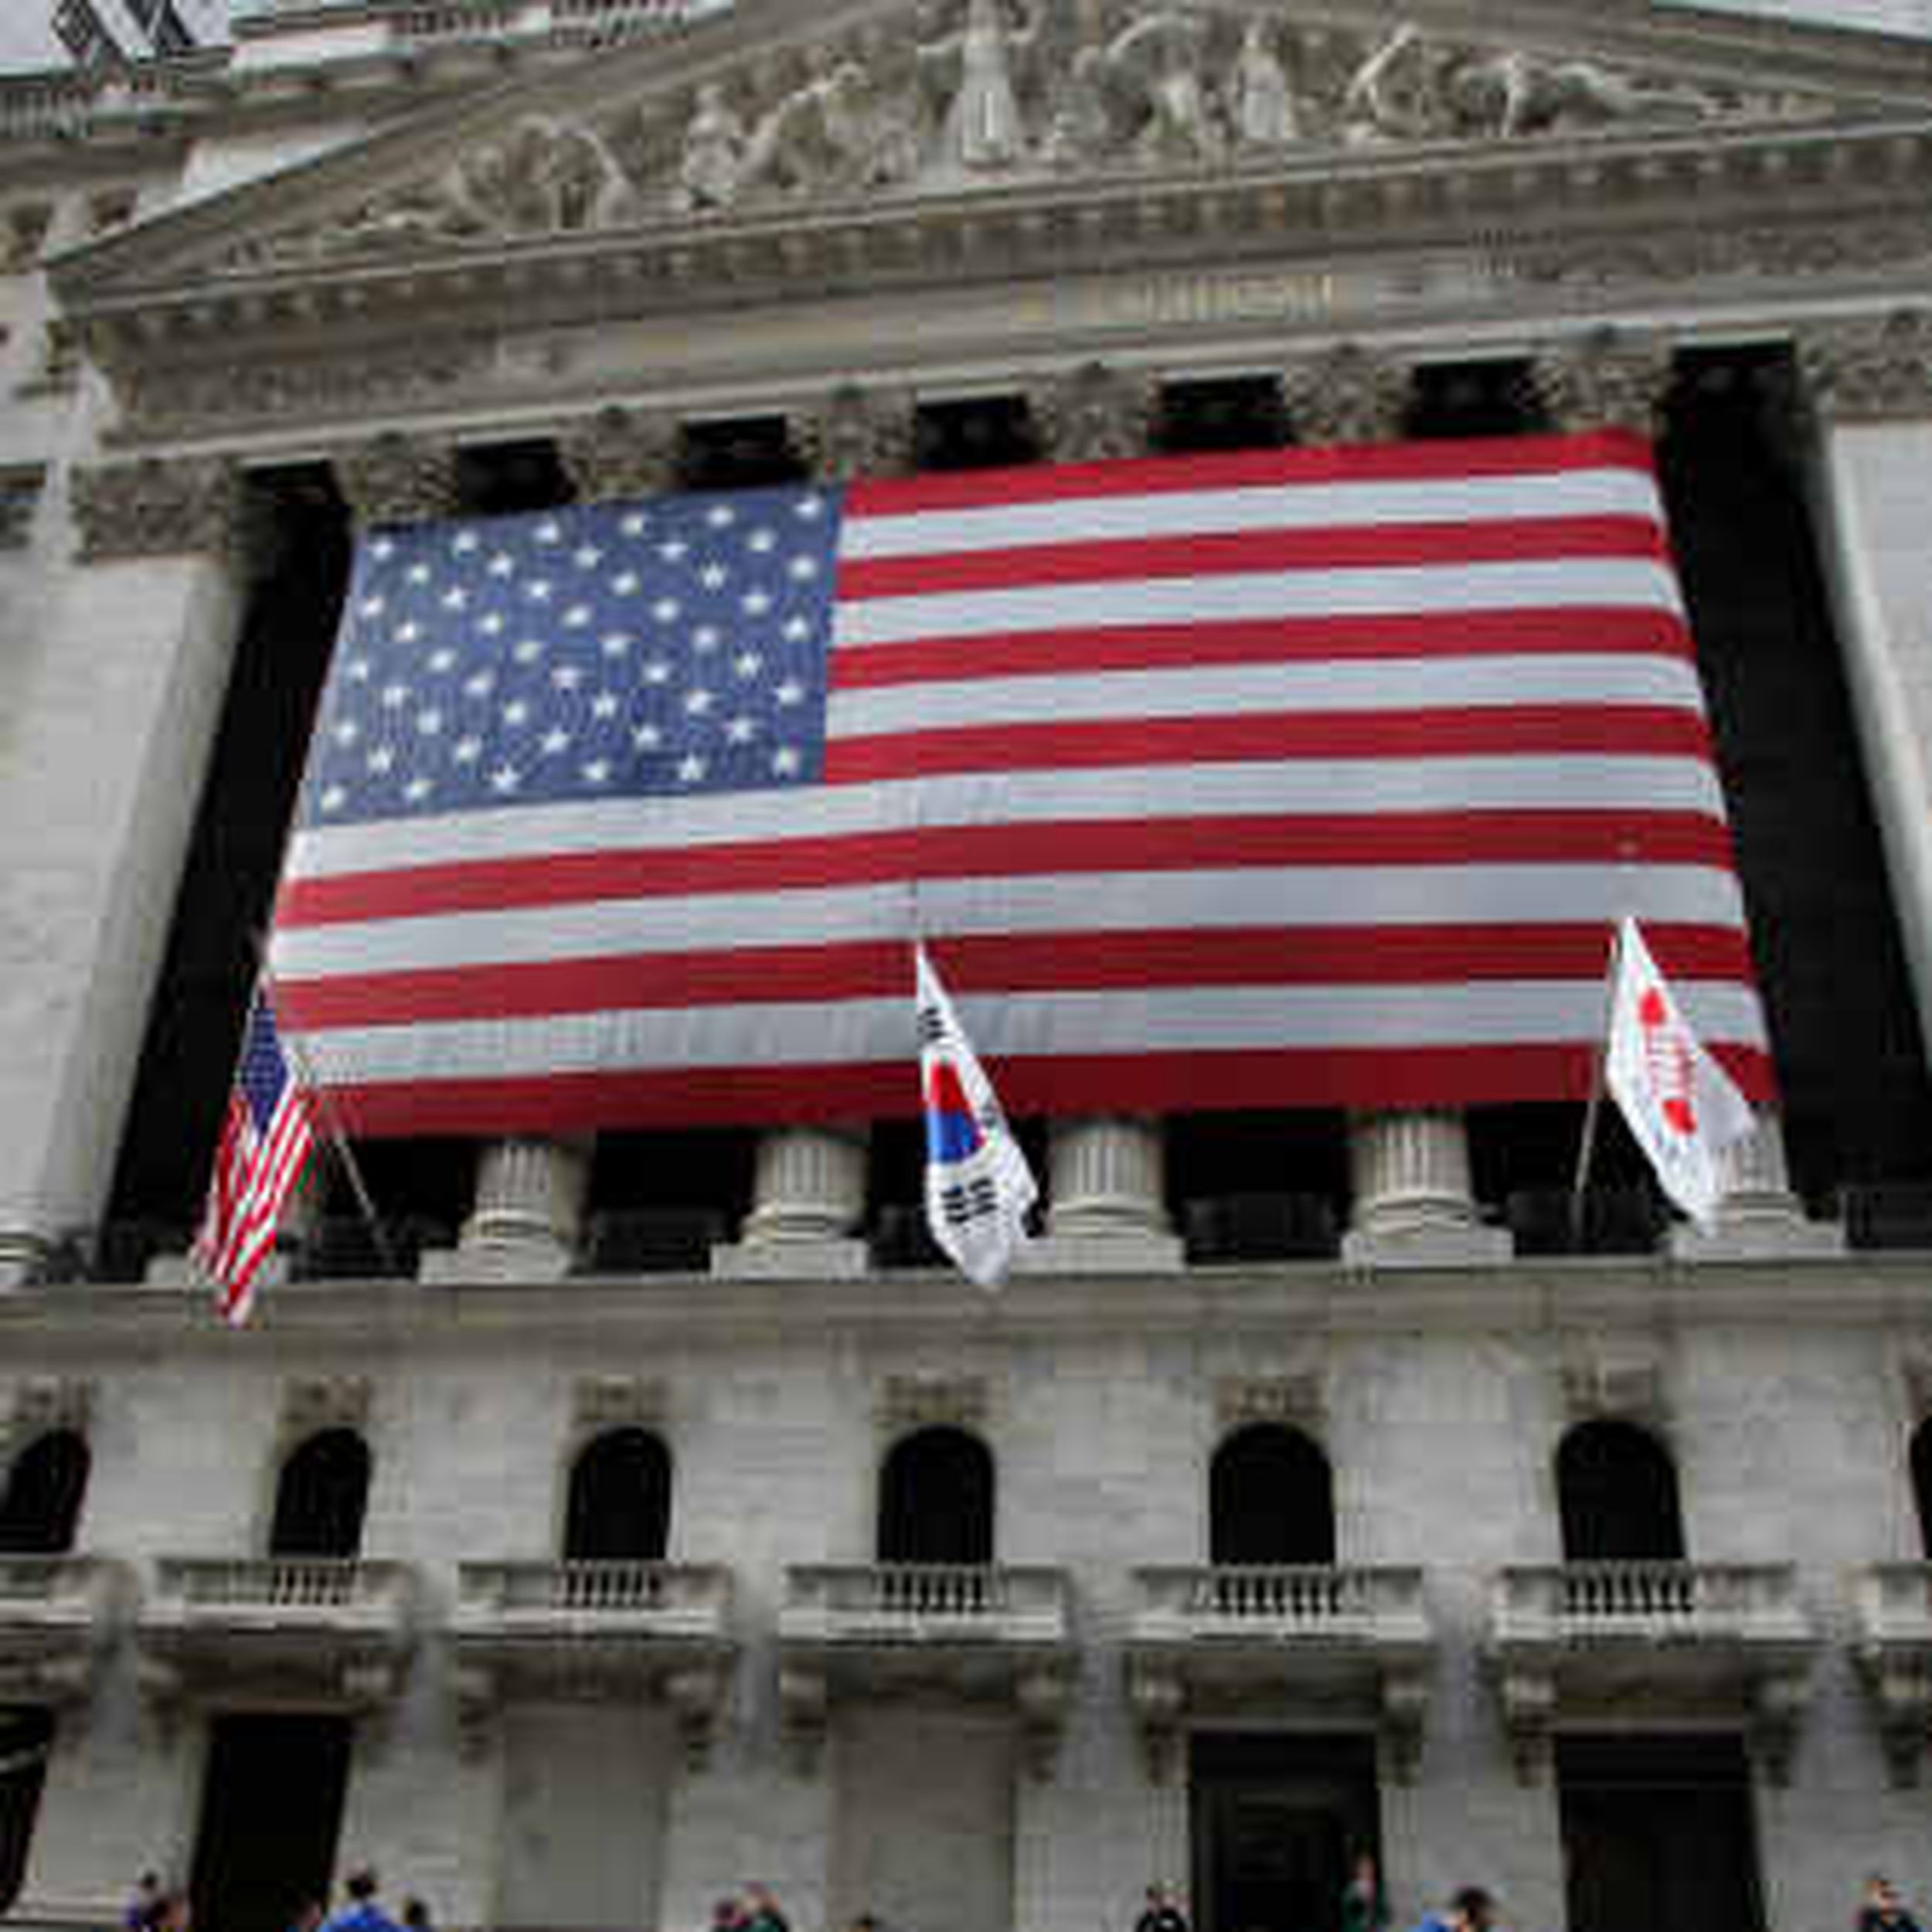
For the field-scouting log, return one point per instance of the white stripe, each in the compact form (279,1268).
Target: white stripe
(1224,1019)
(1528,784)
(1568,583)
(1105,902)
(1531,497)
(1231,690)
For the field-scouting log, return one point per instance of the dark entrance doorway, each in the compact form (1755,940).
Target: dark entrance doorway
(1657,1832)
(271,1807)
(1277,1823)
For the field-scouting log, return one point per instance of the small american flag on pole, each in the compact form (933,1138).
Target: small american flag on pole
(265,1138)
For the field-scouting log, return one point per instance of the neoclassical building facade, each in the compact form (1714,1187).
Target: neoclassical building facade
(648,1513)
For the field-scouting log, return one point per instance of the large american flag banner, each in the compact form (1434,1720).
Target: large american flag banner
(1301,778)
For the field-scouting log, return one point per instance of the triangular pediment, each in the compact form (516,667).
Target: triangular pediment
(780,111)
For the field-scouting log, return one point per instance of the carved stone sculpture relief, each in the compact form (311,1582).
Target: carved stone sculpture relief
(998,90)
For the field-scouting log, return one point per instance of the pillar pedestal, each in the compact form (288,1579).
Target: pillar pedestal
(1759,1218)
(528,1214)
(22,1255)
(808,1197)
(1108,1199)
(1413,1207)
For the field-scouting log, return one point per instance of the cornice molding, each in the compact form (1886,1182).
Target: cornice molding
(395,479)
(1868,369)
(157,507)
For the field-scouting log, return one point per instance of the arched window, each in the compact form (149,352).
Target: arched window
(320,1499)
(620,1503)
(42,1503)
(1617,1488)
(1922,1482)
(1270,1499)
(936,1500)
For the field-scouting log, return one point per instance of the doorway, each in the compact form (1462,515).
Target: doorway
(271,1808)
(1658,1832)
(1276,1823)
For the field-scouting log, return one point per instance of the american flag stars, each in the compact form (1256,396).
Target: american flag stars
(493,664)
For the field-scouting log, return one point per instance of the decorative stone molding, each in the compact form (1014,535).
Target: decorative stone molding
(1296,1399)
(1605,381)
(804,1704)
(1892,1605)
(62,344)
(1915,1366)
(1095,415)
(598,1403)
(1869,370)
(909,1402)
(1348,394)
(157,507)
(1600,1383)
(857,432)
(314,1403)
(619,453)
(1157,1695)
(23,228)
(1043,1698)
(395,478)
(42,1404)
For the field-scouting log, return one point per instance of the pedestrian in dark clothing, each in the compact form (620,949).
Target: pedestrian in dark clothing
(1161,1913)
(1883,1910)
(762,1912)
(1364,1905)
(144,1904)
(308,1916)
(1471,1910)
(416,1916)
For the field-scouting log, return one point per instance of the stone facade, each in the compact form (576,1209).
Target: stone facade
(601,229)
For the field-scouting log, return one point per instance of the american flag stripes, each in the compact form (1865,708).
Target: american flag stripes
(265,1138)
(1298,778)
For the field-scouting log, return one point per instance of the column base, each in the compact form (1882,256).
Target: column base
(1138,1251)
(495,1261)
(832,1258)
(21,1257)
(1447,1244)
(1781,1233)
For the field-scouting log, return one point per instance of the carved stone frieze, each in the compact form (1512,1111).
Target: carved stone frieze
(397,479)
(157,507)
(315,1402)
(857,432)
(617,1402)
(1348,394)
(1295,1398)
(41,1404)
(1095,414)
(1867,370)
(931,1401)
(1625,1383)
(619,453)
(994,91)
(1605,381)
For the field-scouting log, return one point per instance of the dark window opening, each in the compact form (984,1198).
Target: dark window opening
(1475,399)
(936,1500)
(1523,1162)
(228,882)
(1270,1499)
(1253,1186)
(509,479)
(41,1507)
(619,1502)
(982,432)
(421,1191)
(1617,1491)
(320,1498)
(660,1201)
(895,1190)
(26,1736)
(1857,1100)
(754,452)
(1222,412)
(1922,1483)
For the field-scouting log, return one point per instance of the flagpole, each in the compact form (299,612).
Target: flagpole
(332,1125)
(1587,1147)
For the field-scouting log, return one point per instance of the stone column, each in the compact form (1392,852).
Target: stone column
(1607,379)
(1347,394)
(809,1183)
(619,453)
(529,1205)
(1759,1218)
(112,690)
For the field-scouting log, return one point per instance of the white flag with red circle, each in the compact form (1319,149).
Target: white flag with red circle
(1681,1105)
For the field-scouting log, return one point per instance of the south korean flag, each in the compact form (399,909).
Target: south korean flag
(978,1187)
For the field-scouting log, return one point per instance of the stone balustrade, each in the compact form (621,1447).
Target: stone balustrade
(906,1602)
(1573,1603)
(1281,1602)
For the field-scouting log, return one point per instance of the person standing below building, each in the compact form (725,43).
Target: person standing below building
(1471,1910)
(1161,1913)
(144,1906)
(361,1913)
(1364,1905)
(1883,1910)
(762,1912)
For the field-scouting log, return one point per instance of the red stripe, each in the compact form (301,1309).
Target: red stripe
(1051,962)
(1447,462)
(1209,554)
(1473,732)
(1616,631)
(1154,1082)
(1018,850)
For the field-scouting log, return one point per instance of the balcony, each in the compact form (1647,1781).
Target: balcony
(58,1616)
(1892,1608)
(1726,1642)
(976,1632)
(329,1633)
(593,1631)
(1237,1639)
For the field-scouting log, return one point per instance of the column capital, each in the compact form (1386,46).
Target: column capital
(620,453)
(1094,414)
(1605,380)
(1868,368)
(855,432)
(395,479)
(1347,394)
(158,506)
